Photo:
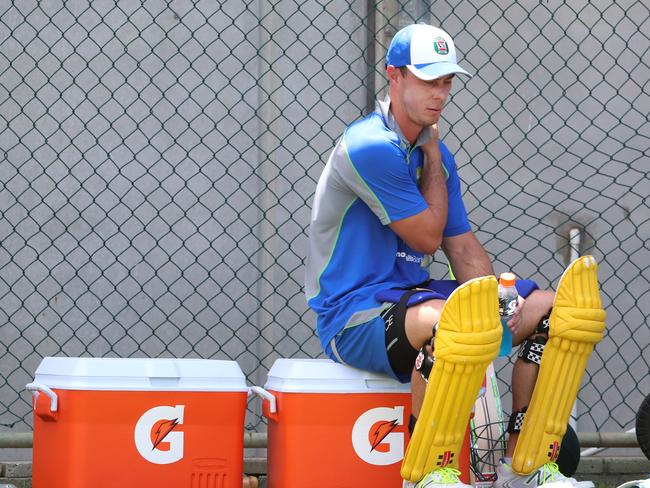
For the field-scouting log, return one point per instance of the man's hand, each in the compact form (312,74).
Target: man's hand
(431,148)
(515,321)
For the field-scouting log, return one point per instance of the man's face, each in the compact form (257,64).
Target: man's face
(421,100)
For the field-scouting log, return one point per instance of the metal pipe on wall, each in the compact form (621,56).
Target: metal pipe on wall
(20,440)
(574,245)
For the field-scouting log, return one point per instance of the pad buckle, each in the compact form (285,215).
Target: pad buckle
(424,363)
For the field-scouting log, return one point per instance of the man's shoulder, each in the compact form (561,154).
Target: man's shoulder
(370,136)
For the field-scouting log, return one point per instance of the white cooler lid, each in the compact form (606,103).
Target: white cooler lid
(135,374)
(326,376)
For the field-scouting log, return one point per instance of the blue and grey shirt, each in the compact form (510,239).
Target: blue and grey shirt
(371,179)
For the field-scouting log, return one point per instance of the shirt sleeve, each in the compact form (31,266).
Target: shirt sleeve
(379,174)
(457,221)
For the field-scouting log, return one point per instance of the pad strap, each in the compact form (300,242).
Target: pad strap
(516,421)
(542,327)
(531,350)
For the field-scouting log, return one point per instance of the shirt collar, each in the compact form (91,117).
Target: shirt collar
(383,108)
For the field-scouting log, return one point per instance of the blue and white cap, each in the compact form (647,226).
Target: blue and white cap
(428,52)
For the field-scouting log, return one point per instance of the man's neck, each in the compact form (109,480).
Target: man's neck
(410,130)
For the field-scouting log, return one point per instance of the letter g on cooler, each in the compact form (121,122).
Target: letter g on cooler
(374,428)
(148,440)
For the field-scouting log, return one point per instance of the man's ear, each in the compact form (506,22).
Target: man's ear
(393,73)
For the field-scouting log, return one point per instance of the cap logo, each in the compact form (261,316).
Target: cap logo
(440,45)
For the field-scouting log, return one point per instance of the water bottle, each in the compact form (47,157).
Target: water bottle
(507,303)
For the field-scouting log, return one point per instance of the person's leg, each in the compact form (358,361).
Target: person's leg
(524,377)
(575,325)
(422,318)
(466,341)
(524,373)
(419,323)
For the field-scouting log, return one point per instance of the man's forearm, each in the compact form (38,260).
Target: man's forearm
(434,188)
(467,257)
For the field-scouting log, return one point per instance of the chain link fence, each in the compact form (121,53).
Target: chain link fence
(158,160)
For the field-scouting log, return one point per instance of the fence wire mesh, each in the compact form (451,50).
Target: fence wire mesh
(158,160)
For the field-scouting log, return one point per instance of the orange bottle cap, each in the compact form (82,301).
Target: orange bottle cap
(507,279)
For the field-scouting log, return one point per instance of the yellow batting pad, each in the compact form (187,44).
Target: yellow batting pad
(576,325)
(467,340)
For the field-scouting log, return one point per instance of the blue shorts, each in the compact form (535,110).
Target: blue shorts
(364,346)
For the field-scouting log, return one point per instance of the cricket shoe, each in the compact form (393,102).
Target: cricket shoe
(636,484)
(548,476)
(439,478)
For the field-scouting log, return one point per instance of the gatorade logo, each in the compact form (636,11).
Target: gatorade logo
(156,438)
(374,439)
(507,307)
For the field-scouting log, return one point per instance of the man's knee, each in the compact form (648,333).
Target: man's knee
(539,304)
(537,310)
(408,334)
(421,321)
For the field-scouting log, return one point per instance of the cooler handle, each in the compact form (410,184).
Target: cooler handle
(265,395)
(37,387)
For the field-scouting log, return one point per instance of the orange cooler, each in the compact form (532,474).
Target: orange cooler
(108,422)
(332,426)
